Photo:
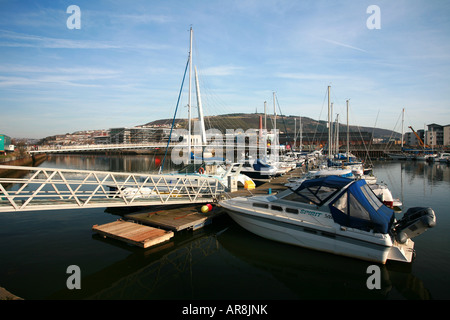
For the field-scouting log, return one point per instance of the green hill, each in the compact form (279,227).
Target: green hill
(285,124)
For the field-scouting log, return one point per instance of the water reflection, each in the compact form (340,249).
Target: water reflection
(222,260)
(432,172)
(316,275)
(167,271)
(245,266)
(116,163)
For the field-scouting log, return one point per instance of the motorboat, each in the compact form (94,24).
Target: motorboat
(443,157)
(258,169)
(385,195)
(397,156)
(333,214)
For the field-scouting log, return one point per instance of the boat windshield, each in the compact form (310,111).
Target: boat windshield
(317,191)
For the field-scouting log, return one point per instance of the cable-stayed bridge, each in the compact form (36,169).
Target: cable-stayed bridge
(99,147)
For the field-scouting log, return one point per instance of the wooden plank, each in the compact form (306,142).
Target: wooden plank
(176,219)
(133,233)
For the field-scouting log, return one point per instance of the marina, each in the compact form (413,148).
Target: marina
(329,204)
(220,250)
(284,153)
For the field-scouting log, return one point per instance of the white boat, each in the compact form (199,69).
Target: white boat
(258,169)
(333,214)
(219,171)
(443,157)
(397,156)
(385,195)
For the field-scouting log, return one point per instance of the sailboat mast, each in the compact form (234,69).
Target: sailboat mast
(274,114)
(301,135)
(403,116)
(329,125)
(348,135)
(331,129)
(189,103)
(265,115)
(295,133)
(275,122)
(337,133)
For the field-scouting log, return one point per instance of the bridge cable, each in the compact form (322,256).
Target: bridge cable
(174,116)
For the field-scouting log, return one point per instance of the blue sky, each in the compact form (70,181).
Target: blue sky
(125,64)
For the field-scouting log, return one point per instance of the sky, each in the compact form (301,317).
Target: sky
(124,64)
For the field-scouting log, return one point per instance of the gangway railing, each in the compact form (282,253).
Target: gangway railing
(95,147)
(53,188)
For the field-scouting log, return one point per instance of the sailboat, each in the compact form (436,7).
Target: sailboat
(345,165)
(204,164)
(266,167)
(402,155)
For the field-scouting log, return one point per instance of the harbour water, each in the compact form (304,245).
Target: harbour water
(221,261)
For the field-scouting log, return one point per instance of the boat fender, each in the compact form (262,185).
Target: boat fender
(201,170)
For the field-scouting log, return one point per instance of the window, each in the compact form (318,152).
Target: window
(357,210)
(371,197)
(291,210)
(261,205)
(342,203)
(309,230)
(277,208)
(295,197)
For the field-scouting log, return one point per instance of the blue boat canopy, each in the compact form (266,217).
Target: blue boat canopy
(358,207)
(320,190)
(259,165)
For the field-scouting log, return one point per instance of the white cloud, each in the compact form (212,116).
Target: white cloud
(343,45)
(15,39)
(226,70)
(308,76)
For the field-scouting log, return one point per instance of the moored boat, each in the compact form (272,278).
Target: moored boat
(333,214)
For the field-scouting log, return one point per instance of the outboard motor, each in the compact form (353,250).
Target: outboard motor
(414,222)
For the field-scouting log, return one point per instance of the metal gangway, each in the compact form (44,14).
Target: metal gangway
(52,188)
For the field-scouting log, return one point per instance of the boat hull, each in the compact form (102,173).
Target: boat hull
(331,241)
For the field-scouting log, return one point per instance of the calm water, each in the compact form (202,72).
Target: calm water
(221,261)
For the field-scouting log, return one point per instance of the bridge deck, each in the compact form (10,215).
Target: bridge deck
(50,188)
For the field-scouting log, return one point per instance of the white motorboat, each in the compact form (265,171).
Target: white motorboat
(443,157)
(219,171)
(257,169)
(397,156)
(333,214)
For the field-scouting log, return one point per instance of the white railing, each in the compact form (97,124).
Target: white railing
(92,147)
(52,188)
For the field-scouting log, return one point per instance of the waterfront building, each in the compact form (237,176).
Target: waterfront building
(435,135)
(5,142)
(410,139)
(446,131)
(136,135)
